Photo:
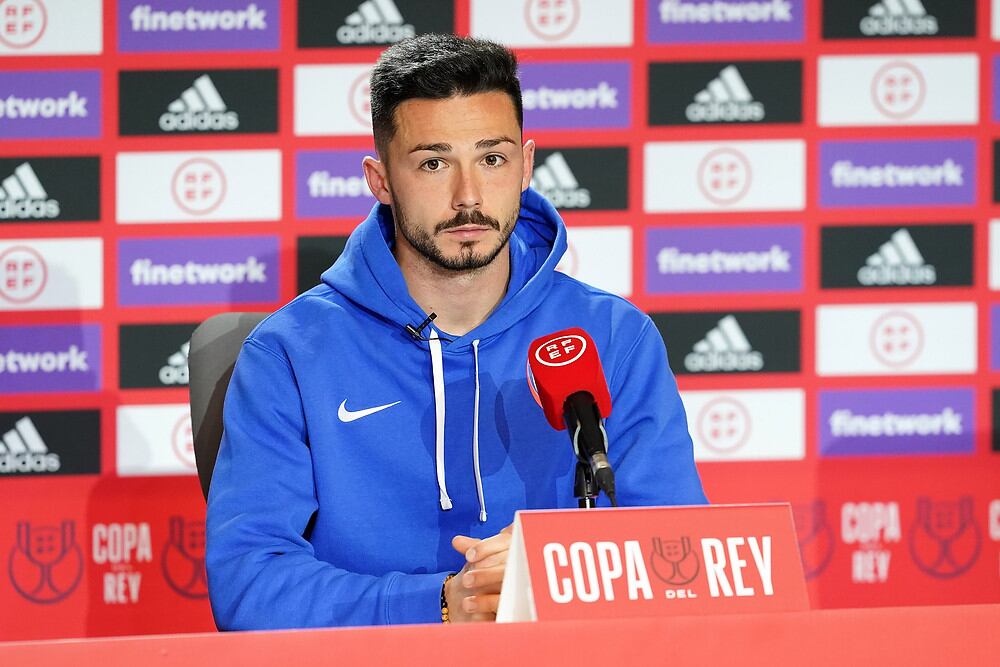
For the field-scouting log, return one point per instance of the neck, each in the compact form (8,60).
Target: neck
(462,300)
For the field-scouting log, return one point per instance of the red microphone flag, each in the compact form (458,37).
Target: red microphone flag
(561,364)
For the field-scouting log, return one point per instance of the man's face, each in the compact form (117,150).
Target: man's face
(453,174)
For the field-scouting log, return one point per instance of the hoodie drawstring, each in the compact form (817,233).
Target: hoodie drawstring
(437,370)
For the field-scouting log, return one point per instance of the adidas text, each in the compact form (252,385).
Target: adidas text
(144,19)
(708,112)
(846,424)
(720,11)
(672,261)
(73,360)
(845,174)
(145,272)
(379,33)
(199,121)
(601,96)
(176,369)
(898,25)
(24,209)
(723,361)
(897,275)
(29,462)
(70,106)
(567,198)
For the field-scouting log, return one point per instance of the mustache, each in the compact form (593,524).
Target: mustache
(463,218)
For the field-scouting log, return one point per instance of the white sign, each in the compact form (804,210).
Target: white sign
(553,24)
(155,440)
(332,100)
(600,256)
(740,425)
(51,274)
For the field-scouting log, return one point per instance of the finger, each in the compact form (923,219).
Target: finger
(486,579)
(488,547)
(491,561)
(483,618)
(481,604)
(462,543)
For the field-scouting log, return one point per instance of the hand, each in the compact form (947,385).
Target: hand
(473,593)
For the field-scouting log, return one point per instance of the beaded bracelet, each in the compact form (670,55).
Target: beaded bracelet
(444,600)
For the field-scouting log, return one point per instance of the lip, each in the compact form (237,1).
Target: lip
(468,231)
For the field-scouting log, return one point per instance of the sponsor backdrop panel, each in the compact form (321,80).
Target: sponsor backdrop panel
(754,184)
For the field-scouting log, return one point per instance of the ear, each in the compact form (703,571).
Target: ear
(377,176)
(528,157)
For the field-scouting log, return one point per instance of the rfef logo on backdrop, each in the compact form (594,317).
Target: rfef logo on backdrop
(171,271)
(155,440)
(332,100)
(944,538)
(50,27)
(153,355)
(50,189)
(315,254)
(578,179)
(212,25)
(893,256)
(199,187)
(50,443)
(50,274)
(599,256)
(764,341)
(45,564)
(880,422)
(47,358)
(758,425)
(50,104)
(694,260)
(693,21)
(897,173)
(742,91)
(331,184)
(552,23)
(853,19)
(899,90)
(370,22)
(896,339)
(695,176)
(213,101)
(576,95)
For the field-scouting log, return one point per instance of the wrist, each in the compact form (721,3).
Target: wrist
(445,612)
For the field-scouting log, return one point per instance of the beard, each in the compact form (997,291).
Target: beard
(468,259)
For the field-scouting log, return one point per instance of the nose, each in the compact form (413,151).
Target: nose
(466,194)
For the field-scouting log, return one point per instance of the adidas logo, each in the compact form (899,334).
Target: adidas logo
(200,108)
(726,98)
(556,182)
(22,196)
(375,22)
(176,369)
(24,451)
(898,17)
(897,262)
(724,349)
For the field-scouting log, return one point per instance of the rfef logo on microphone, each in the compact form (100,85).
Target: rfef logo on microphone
(576,95)
(735,91)
(50,443)
(50,189)
(877,19)
(873,256)
(331,184)
(49,358)
(561,351)
(381,23)
(50,104)
(897,421)
(162,271)
(897,173)
(765,341)
(208,25)
(50,27)
(698,21)
(208,101)
(552,24)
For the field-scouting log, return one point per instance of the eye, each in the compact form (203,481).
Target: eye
(433,164)
(494,160)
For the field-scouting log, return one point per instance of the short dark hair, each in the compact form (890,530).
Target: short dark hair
(436,67)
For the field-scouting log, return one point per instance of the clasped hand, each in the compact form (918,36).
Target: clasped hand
(473,593)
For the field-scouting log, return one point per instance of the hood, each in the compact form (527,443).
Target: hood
(367,272)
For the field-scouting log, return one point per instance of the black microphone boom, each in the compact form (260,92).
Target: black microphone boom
(590,440)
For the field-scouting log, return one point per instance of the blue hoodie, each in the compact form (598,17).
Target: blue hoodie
(322,515)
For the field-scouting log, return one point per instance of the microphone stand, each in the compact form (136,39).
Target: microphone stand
(583,423)
(584,487)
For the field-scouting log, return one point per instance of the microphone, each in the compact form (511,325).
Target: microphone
(566,378)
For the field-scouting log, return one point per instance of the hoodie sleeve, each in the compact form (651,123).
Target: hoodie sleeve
(262,572)
(648,441)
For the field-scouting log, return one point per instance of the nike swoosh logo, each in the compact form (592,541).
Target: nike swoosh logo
(350,415)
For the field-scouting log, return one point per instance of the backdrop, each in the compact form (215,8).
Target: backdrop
(799,192)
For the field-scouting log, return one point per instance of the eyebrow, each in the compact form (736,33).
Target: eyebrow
(446,148)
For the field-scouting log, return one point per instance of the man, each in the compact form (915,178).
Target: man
(365,460)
